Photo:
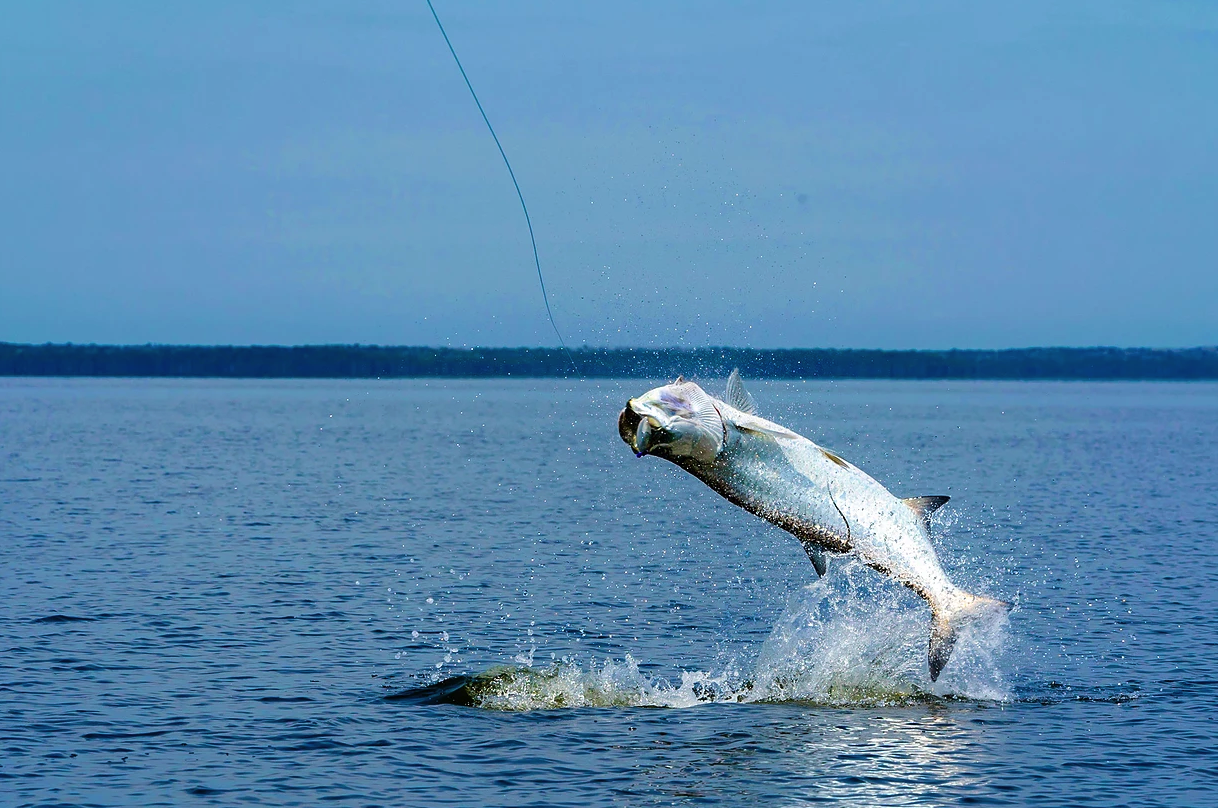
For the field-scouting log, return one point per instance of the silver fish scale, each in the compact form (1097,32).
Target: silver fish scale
(791,482)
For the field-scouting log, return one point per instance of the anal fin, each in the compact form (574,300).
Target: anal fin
(925,506)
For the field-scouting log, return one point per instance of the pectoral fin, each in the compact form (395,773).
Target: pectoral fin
(925,506)
(737,396)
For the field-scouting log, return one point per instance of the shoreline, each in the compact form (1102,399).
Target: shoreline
(375,361)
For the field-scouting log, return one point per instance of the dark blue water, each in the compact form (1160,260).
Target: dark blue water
(471,593)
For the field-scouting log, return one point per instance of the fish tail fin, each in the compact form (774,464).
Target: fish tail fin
(947,618)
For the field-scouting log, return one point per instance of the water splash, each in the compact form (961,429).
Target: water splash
(518,688)
(838,643)
(848,638)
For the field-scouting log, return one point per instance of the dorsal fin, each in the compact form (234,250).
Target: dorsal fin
(925,506)
(817,557)
(737,396)
(679,380)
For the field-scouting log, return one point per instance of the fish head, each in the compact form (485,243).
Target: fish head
(678,422)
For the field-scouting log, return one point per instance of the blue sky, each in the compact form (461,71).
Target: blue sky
(897,175)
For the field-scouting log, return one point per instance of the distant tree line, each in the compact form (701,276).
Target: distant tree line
(372,361)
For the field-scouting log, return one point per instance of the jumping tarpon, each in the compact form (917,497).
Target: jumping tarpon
(827,503)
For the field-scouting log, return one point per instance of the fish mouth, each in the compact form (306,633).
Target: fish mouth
(628,427)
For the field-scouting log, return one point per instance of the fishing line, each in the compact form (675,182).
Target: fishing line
(536,260)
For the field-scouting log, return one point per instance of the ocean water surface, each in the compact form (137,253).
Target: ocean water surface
(460,593)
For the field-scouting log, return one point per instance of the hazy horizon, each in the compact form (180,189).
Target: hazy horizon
(797,175)
(657,347)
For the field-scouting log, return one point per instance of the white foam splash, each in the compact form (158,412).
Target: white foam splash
(837,643)
(605,684)
(841,641)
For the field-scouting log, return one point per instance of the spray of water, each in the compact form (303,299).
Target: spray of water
(839,642)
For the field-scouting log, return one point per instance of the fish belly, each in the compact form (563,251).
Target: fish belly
(792,484)
(757,476)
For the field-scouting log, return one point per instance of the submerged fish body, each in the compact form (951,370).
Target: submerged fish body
(827,503)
